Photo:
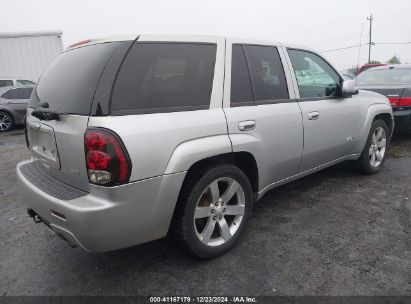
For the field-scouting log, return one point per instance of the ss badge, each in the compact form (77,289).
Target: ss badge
(74,171)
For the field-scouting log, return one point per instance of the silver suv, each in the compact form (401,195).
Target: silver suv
(135,137)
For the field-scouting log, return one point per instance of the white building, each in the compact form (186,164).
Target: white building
(26,55)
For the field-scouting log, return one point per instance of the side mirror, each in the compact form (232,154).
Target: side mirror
(348,88)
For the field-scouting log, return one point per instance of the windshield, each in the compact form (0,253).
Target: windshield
(385,77)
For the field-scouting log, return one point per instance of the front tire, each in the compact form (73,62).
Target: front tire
(214,211)
(6,121)
(374,154)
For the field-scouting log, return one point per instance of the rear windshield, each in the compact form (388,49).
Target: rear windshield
(69,83)
(385,76)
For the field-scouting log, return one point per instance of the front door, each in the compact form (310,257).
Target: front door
(331,121)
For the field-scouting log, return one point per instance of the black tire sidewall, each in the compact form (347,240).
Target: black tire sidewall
(195,246)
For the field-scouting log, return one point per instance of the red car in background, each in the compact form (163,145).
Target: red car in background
(393,81)
(369,66)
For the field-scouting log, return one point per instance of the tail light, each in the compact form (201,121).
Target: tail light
(394,101)
(405,102)
(400,102)
(108,162)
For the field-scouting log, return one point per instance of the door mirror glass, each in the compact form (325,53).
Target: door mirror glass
(348,88)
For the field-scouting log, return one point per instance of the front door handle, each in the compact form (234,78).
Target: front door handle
(313,115)
(246,125)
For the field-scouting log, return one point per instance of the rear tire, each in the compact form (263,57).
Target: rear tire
(213,211)
(6,121)
(374,153)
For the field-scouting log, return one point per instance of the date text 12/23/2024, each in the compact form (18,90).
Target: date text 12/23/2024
(203,299)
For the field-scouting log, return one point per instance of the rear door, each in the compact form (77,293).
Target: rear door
(331,122)
(68,87)
(262,114)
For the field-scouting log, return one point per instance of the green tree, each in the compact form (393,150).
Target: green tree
(374,62)
(394,60)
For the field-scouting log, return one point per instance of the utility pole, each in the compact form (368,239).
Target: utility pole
(370,43)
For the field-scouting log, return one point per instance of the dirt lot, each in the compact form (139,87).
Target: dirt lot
(332,233)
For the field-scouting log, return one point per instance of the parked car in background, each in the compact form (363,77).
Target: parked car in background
(393,81)
(13,106)
(15,82)
(151,134)
(347,76)
(369,66)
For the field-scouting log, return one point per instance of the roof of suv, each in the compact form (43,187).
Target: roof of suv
(188,38)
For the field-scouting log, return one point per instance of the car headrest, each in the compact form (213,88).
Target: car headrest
(300,63)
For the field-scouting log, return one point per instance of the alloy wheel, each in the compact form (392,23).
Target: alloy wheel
(5,122)
(377,147)
(219,211)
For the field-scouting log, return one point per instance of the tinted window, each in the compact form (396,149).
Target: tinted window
(69,83)
(163,77)
(241,90)
(267,72)
(315,77)
(21,93)
(25,82)
(6,83)
(385,77)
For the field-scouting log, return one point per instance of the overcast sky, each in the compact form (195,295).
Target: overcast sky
(321,25)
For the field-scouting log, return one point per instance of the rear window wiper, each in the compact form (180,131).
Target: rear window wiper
(43,112)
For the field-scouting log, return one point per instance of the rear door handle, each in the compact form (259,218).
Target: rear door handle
(313,115)
(246,125)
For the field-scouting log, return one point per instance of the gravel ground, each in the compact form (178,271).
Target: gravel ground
(332,233)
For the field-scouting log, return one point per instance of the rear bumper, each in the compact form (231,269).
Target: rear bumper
(402,119)
(108,218)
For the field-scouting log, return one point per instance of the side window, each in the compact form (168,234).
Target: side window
(23,93)
(165,77)
(6,83)
(25,82)
(241,90)
(315,77)
(10,94)
(267,73)
(257,74)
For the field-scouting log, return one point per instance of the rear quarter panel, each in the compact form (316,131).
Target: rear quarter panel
(181,138)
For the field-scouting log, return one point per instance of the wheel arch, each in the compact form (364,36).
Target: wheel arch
(8,112)
(386,117)
(375,111)
(245,161)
